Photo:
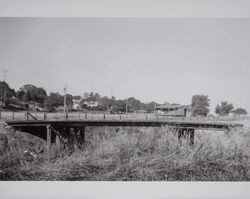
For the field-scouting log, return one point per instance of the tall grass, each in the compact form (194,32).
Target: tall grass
(19,151)
(144,154)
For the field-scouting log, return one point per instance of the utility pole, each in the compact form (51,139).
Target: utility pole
(3,91)
(65,98)
(4,74)
(126,105)
(111,98)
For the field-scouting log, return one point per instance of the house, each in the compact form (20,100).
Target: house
(83,102)
(76,104)
(173,110)
(91,103)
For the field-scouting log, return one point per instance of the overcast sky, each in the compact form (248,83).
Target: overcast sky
(167,59)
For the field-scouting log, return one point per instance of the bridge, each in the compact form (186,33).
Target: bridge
(55,130)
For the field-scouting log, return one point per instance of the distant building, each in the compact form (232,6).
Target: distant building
(91,103)
(173,110)
(76,104)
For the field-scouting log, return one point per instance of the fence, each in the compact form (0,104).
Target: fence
(8,115)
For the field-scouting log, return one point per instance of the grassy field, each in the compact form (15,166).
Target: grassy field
(131,154)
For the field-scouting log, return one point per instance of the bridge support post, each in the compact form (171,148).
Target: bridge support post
(79,137)
(48,141)
(186,134)
(58,142)
(191,136)
(82,136)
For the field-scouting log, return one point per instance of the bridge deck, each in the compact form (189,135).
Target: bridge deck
(138,123)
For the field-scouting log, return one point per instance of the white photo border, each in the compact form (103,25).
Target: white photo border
(125,8)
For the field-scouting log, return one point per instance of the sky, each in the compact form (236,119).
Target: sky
(152,59)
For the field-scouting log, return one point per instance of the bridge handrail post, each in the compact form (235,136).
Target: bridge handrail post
(45,116)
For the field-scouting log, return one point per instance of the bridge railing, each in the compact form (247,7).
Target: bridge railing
(8,115)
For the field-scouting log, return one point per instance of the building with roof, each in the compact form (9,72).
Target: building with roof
(173,109)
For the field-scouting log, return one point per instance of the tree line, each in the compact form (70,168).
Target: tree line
(200,106)
(30,94)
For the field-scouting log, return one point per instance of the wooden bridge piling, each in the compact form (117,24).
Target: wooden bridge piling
(48,141)
(186,134)
(185,129)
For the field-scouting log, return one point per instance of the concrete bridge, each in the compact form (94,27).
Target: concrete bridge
(54,131)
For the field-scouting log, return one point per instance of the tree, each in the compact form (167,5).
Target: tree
(40,95)
(200,105)
(224,108)
(86,95)
(20,94)
(97,96)
(119,105)
(240,111)
(104,102)
(77,97)
(5,92)
(150,106)
(53,101)
(69,99)
(32,93)
(133,104)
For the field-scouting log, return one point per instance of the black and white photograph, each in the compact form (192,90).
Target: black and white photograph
(124,99)
(124,106)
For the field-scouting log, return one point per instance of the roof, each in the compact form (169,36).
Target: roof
(169,106)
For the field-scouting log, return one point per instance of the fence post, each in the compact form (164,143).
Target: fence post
(13,115)
(27,115)
(79,116)
(0,114)
(67,116)
(45,116)
(86,117)
(104,116)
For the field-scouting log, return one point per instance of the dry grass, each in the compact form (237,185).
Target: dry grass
(137,154)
